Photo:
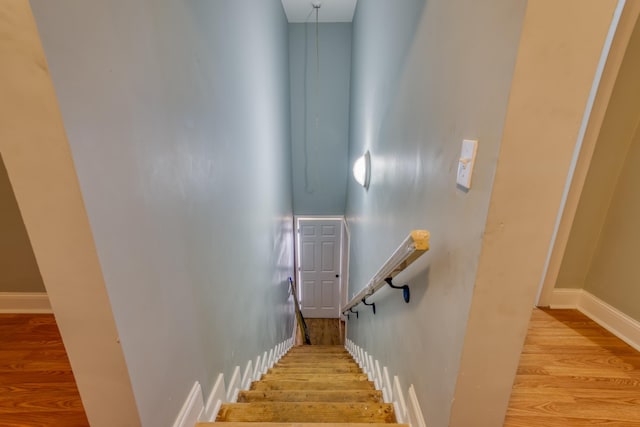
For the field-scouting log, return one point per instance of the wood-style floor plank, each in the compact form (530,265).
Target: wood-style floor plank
(325,331)
(73,418)
(573,372)
(37,387)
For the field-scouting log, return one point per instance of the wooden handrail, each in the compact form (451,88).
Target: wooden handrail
(416,243)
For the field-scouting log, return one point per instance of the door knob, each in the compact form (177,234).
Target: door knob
(337,275)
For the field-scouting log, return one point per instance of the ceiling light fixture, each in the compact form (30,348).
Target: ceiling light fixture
(362,170)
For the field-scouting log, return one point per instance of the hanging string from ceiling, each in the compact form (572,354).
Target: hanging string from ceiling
(310,180)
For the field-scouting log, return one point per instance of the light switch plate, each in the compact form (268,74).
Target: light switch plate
(466,162)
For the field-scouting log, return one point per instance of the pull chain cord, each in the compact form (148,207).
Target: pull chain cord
(317,45)
(311,169)
(317,98)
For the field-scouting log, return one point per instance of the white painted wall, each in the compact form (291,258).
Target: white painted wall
(178,119)
(425,76)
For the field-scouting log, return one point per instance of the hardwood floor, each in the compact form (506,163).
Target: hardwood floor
(37,387)
(326,331)
(573,372)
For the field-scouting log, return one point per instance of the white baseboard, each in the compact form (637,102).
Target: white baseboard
(194,410)
(216,398)
(247,377)
(235,383)
(24,302)
(391,391)
(565,298)
(257,369)
(413,409)
(610,318)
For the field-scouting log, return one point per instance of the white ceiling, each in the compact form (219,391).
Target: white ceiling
(330,10)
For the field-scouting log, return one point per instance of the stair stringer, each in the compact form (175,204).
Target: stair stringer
(407,411)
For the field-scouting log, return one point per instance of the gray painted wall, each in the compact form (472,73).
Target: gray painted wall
(178,118)
(18,268)
(319,153)
(425,76)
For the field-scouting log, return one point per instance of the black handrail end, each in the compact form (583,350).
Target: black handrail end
(406,292)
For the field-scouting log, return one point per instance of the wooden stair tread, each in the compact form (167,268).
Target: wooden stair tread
(315,361)
(374,396)
(303,424)
(296,376)
(317,347)
(318,364)
(307,411)
(315,369)
(316,358)
(312,385)
(342,355)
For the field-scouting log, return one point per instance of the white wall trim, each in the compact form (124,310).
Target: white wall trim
(413,410)
(391,391)
(192,408)
(257,373)
(344,273)
(24,302)
(216,397)
(607,316)
(234,385)
(265,364)
(247,377)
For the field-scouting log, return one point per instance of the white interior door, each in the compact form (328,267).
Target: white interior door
(320,241)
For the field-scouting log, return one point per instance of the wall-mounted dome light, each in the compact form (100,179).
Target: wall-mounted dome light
(362,169)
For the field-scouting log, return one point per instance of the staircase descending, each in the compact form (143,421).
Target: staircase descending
(310,384)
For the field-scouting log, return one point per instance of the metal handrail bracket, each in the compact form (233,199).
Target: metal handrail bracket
(416,244)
